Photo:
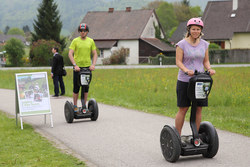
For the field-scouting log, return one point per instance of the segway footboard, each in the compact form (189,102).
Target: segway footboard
(190,149)
(83,115)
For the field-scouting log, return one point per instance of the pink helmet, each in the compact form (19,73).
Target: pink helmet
(195,21)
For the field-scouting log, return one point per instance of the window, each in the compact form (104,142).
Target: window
(101,55)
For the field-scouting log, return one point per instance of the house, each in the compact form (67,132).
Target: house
(226,23)
(5,38)
(179,33)
(131,29)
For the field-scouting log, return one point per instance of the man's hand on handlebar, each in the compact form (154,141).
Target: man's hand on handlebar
(76,68)
(92,67)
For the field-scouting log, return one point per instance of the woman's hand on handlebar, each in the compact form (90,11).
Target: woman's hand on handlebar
(211,71)
(189,72)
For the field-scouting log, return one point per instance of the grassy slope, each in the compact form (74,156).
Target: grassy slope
(28,148)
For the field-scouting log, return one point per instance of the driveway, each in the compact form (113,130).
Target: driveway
(122,137)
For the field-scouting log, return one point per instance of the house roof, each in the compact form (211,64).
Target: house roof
(218,23)
(116,25)
(4,38)
(105,44)
(179,32)
(158,44)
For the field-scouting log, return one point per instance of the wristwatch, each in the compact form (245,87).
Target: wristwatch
(74,65)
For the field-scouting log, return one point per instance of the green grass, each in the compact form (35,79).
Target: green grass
(153,90)
(27,148)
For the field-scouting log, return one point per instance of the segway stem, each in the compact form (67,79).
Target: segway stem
(193,120)
(82,99)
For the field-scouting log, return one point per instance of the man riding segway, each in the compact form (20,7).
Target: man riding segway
(80,51)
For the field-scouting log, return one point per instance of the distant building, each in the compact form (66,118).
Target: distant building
(226,23)
(131,29)
(5,38)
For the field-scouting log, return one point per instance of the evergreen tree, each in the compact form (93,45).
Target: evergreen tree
(48,24)
(186,3)
(26,29)
(6,30)
(157,31)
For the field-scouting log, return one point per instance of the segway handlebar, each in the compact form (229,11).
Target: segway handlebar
(197,72)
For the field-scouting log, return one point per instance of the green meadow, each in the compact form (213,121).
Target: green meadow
(27,148)
(154,91)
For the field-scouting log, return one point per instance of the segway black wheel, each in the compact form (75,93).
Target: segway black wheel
(93,107)
(209,135)
(69,112)
(170,144)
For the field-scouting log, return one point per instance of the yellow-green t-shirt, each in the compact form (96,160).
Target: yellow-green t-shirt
(82,51)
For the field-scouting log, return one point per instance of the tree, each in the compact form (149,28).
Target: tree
(186,3)
(6,30)
(15,51)
(15,31)
(26,29)
(48,24)
(184,12)
(171,14)
(157,31)
(167,17)
(153,5)
(40,52)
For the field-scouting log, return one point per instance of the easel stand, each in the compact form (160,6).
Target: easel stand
(21,120)
(32,96)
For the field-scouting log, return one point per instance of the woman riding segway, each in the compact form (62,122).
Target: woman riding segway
(191,55)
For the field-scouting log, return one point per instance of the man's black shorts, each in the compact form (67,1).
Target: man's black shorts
(182,98)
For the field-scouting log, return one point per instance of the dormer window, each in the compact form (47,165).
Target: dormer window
(233,14)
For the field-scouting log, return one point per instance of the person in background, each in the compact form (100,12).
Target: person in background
(191,55)
(56,72)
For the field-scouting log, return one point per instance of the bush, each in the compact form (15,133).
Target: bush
(165,60)
(15,51)
(214,46)
(66,59)
(106,61)
(119,56)
(16,31)
(40,52)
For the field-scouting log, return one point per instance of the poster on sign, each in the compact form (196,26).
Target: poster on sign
(32,95)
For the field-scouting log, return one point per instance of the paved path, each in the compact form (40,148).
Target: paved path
(125,138)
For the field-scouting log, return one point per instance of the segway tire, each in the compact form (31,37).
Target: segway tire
(170,144)
(68,112)
(209,135)
(93,107)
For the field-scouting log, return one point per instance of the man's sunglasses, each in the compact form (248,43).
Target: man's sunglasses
(83,30)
